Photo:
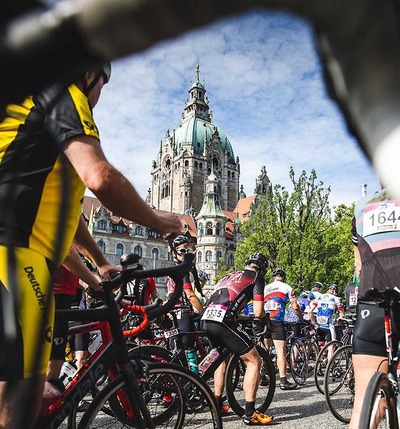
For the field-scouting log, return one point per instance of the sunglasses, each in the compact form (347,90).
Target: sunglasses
(183,251)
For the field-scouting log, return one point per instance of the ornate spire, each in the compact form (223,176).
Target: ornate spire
(211,203)
(197,106)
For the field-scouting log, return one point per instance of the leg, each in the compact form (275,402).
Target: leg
(280,348)
(364,368)
(252,375)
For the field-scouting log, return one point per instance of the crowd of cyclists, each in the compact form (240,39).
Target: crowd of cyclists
(46,145)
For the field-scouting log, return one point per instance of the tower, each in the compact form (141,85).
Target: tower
(188,154)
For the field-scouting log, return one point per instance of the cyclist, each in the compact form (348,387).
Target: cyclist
(188,302)
(351,292)
(34,137)
(219,319)
(276,295)
(326,306)
(376,239)
(291,316)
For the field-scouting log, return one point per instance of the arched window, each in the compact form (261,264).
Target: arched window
(209,230)
(102,246)
(201,165)
(102,224)
(138,230)
(138,250)
(218,229)
(208,256)
(186,163)
(233,174)
(120,249)
(219,255)
(199,257)
(196,164)
(230,260)
(229,174)
(154,253)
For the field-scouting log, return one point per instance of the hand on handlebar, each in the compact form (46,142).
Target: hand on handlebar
(168,225)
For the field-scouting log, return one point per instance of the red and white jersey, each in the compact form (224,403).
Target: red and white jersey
(276,295)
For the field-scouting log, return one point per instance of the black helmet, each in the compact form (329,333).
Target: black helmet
(203,277)
(279,272)
(259,260)
(317,286)
(181,239)
(128,259)
(334,287)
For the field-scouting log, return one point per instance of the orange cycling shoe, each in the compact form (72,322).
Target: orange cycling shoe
(257,419)
(224,409)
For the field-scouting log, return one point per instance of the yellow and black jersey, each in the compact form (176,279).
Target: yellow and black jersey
(31,138)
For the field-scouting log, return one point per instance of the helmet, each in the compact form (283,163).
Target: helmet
(129,259)
(334,287)
(181,239)
(311,296)
(305,294)
(318,286)
(203,277)
(279,272)
(106,71)
(259,260)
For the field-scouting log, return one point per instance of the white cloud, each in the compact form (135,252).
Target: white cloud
(265,87)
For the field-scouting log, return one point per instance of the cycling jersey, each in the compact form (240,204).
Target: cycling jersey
(326,306)
(142,291)
(376,232)
(290,314)
(31,190)
(183,300)
(65,282)
(351,293)
(232,293)
(276,295)
(31,186)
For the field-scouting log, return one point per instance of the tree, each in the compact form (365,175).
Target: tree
(295,230)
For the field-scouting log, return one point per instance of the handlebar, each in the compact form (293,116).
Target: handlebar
(176,272)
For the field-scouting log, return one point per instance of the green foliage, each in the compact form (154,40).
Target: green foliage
(296,231)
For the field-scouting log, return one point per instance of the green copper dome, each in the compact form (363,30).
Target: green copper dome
(195,131)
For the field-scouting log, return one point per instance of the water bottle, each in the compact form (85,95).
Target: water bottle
(208,360)
(68,371)
(192,361)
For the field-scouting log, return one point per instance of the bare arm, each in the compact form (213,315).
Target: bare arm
(357,260)
(258,307)
(112,188)
(297,310)
(88,247)
(74,263)
(191,296)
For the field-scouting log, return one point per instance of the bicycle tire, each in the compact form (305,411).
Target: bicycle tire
(234,383)
(169,377)
(322,363)
(378,388)
(340,384)
(298,362)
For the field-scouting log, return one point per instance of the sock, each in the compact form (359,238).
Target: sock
(219,401)
(283,380)
(250,408)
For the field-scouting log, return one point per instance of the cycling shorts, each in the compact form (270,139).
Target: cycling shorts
(326,334)
(369,331)
(33,279)
(278,331)
(229,334)
(186,324)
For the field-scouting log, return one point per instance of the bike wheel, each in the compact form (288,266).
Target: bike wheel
(298,362)
(190,401)
(339,384)
(322,362)
(379,406)
(234,383)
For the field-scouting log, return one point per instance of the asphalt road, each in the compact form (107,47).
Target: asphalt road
(302,408)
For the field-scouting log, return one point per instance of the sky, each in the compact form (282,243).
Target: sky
(266,91)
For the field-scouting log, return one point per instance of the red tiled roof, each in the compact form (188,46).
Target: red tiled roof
(243,207)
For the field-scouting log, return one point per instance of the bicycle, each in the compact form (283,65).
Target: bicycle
(340,384)
(380,401)
(327,351)
(234,371)
(126,391)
